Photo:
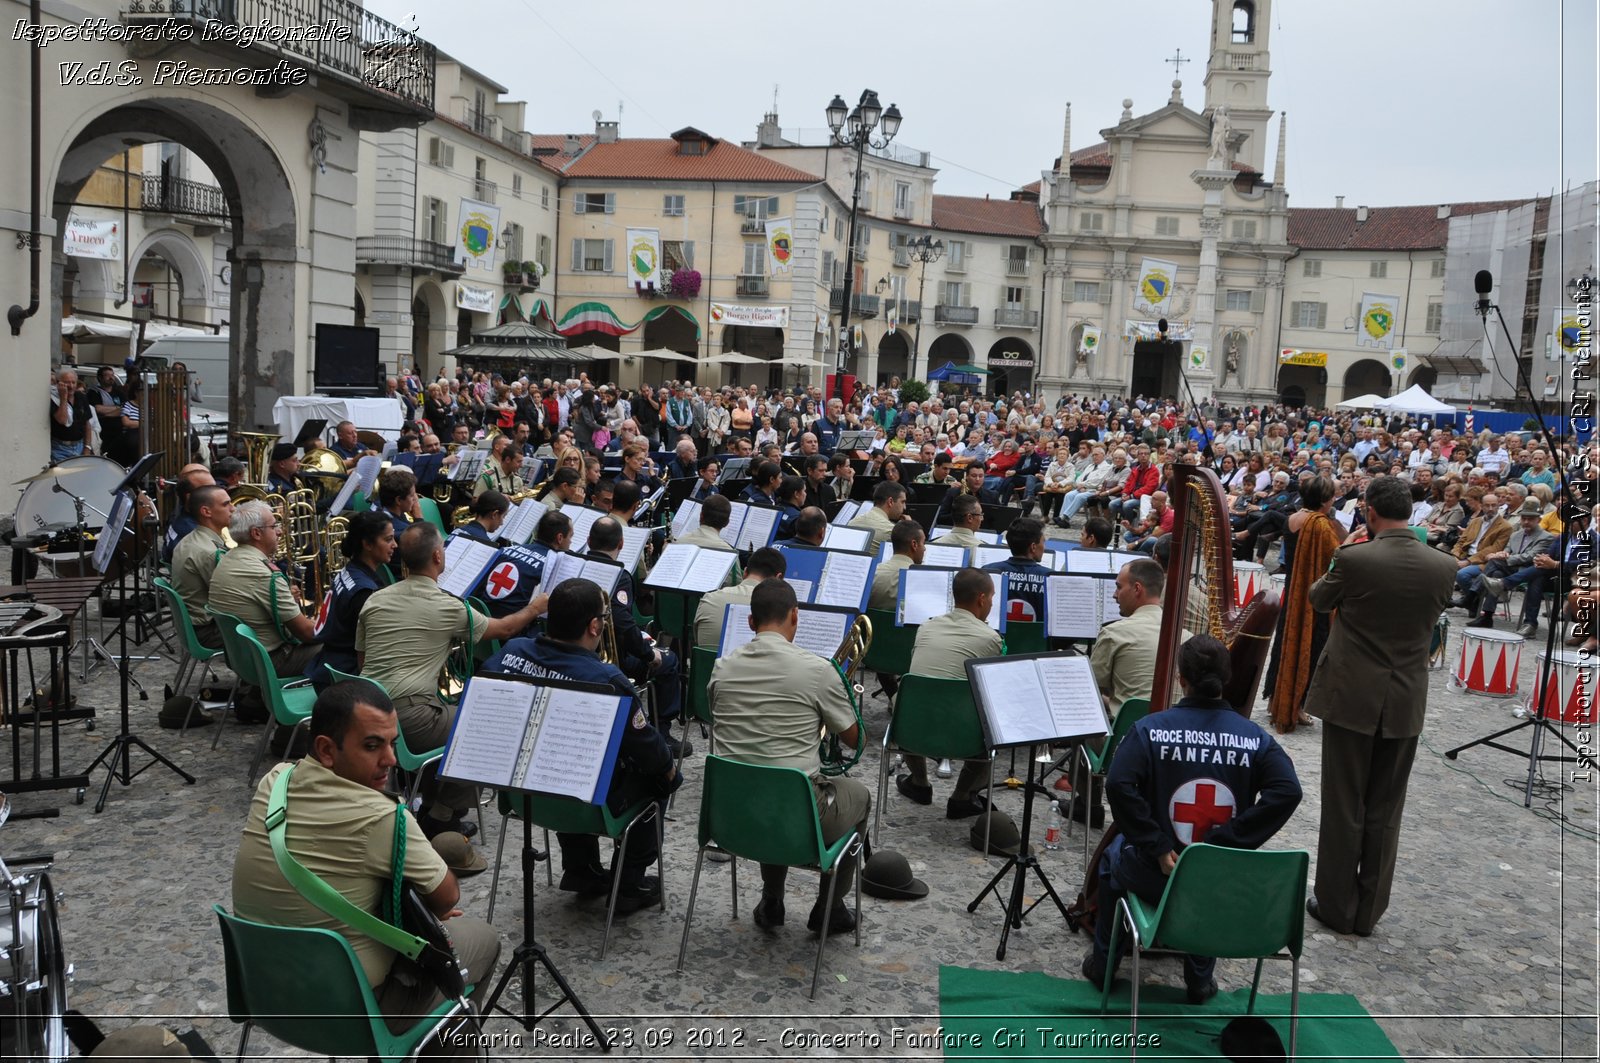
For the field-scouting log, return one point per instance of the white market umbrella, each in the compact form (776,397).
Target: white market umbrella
(664,355)
(735,358)
(594,350)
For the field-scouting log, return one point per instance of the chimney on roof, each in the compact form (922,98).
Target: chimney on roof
(1338,202)
(1444,211)
(768,133)
(605,132)
(1361,214)
(572,145)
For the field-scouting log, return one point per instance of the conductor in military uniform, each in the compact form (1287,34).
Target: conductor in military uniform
(1389,592)
(769,697)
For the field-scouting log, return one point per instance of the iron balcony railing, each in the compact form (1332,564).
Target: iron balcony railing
(406,251)
(1007,317)
(177,195)
(955,315)
(860,305)
(336,38)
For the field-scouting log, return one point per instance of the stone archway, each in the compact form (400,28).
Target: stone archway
(950,347)
(1368,376)
(893,357)
(1303,385)
(262,202)
(430,322)
(179,251)
(1011,365)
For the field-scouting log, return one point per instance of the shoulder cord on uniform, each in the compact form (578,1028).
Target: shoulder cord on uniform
(272,599)
(833,757)
(397,866)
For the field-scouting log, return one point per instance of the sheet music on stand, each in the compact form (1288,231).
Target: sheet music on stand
(735,469)
(989,555)
(1078,606)
(523,521)
(927,592)
(559,568)
(848,512)
(1033,698)
(821,630)
(1106,562)
(465,562)
(105,547)
(545,736)
(583,519)
(933,555)
(366,471)
(856,439)
(831,577)
(346,492)
(756,529)
(837,537)
(427,467)
(469,465)
(698,569)
(634,540)
(686,519)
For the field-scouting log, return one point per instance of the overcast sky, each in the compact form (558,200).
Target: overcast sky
(1390,101)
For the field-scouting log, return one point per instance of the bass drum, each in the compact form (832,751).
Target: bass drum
(93,478)
(33,984)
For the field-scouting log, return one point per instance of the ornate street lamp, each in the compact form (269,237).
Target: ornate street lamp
(854,128)
(924,249)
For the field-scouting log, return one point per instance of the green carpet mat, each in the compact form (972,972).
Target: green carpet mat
(1005,1015)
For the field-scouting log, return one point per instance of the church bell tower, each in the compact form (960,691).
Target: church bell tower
(1237,73)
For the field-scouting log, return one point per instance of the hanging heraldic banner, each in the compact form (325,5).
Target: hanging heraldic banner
(780,245)
(1154,293)
(476,233)
(644,257)
(1379,314)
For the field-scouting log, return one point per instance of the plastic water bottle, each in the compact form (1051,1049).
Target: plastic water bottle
(1052,829)
(944,769)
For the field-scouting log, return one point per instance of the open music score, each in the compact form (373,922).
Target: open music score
(366,473)
(469,465)
(1035,698)
(1077,607)
(933,556)
(849,511)
(347,491)
(988,538)
(558,568)
(523,521)
(554,739)
(682,567)
(686,519)
(634,540)
(821,628)
(465,562)
(831,577)
(838,537)
(583,519)
(927,592)
(1107,562)
(750,527)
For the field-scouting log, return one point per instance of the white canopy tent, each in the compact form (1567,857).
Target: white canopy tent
(1414,400)
(83,328)
(1362,402)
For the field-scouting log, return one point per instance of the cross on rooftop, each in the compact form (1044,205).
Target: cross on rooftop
(1177,61)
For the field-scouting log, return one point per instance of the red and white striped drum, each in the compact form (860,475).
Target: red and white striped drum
(1569,696)
(1280,582)
(1488,662)
(1249,577)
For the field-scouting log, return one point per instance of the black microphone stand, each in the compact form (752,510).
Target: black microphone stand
(1538,718)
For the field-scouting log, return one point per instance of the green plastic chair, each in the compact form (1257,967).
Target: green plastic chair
(233,649)
(1234,903)
(1025,636)
(306,988)
(359,502)
(675,611)
(702,660)
(194,653)
(290,705)
(933,718)
(1095,765)
(431,514)
(410,763)
(890,652)
(769,815)
(568,815)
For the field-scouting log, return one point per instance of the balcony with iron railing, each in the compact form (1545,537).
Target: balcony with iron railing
(482,122)
(753,226)
(910,310)
(1017,267)
(177,195)
(955,315)
(413,252)
(902,257)
(860,305)
(484,190)
(385,71)
(752,286)
(1014,317)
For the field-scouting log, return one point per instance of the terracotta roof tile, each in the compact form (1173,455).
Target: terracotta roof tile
(995,217)
(1386,228)
(658,160)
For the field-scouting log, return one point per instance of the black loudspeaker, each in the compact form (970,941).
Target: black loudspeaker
(347,359)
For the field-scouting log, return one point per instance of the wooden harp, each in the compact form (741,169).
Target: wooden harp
(1200,595)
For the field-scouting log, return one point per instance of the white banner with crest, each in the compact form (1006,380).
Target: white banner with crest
(644,257)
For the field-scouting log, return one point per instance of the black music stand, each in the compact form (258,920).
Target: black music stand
(117,755)
(137,474)
(457,764)
(1004,727)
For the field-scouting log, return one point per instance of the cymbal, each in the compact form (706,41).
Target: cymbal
(51,473)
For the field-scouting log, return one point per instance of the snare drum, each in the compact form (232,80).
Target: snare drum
(33,984)
(1280,583)
(1249,577)
(1569,696)
(93,481)
(1488,663)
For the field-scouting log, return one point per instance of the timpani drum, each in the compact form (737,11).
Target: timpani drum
(1569,695)
(1488,662)
(1249,577)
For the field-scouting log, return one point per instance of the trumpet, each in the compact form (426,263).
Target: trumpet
(847,659)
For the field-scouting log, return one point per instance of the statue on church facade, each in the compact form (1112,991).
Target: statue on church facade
(1221,129)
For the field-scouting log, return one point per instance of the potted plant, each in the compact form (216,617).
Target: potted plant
(511,271)
(684,284)
(531,272)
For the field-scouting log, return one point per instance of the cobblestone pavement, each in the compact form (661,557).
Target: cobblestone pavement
(1488,950)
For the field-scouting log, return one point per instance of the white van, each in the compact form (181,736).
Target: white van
(206,358)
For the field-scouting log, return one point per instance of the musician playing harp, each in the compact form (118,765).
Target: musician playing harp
(645,765)
(769,697)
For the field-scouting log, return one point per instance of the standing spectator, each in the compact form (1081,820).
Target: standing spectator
(71,418)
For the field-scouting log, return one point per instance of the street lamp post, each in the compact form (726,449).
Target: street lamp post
(924,249)
(853,128)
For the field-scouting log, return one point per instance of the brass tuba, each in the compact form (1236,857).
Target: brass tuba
(847,660)
(259,446)
(325,469)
